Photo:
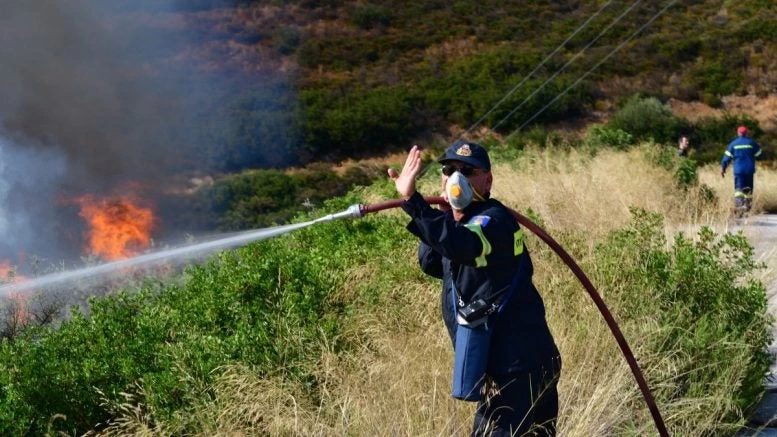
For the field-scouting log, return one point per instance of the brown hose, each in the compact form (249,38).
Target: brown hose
(616,332)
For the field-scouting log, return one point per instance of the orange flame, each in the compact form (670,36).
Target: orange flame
(118,227)
(19,316)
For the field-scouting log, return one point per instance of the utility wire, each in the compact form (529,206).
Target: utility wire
(540,65)
(563,67)
(615,50)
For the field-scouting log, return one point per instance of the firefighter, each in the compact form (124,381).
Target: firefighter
(682,147)
(505,357)
(743,151)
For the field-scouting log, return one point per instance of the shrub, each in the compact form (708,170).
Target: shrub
(716,78)
(263,198)
(286,40)
(704,295)
(599,136)
(359,121)
(368,15)
(686,174)
(712,134)
(646,118)
(267,306)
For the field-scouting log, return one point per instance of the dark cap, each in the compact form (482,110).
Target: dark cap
(469,153)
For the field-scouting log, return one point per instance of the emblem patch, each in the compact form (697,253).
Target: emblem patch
(480,220)
(464,150)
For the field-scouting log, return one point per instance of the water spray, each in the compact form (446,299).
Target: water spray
(163,256)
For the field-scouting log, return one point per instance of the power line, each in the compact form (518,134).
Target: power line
(540,65)
(615,50)
(563,67)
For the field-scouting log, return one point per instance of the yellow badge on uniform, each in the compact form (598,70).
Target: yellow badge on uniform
(464,150)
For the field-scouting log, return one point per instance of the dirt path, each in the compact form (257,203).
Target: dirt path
(761,231)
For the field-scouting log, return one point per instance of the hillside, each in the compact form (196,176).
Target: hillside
(370,76)
(227,114)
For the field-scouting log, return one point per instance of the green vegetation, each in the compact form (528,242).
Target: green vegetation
(268,197)
(698,291)
(369,76)
(647,119)
(267,306)
(372,76)
(277,307)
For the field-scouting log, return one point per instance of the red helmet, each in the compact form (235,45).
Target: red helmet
(742,130)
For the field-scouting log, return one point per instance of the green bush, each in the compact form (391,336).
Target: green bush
(286,40)
(466,89)
(601,136)
(703,293)
(646,118)
(686,174)
(266,306)
(716,78)
(367,15)
(357,122)
(263,198)
(711,135)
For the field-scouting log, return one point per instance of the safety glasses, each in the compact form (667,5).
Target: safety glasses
(466,170)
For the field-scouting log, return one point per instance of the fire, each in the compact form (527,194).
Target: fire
(17,315)
(119,228)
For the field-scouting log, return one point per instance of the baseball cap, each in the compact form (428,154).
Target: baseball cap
(469,153)
(742,130)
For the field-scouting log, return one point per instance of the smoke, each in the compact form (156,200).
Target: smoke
(95,94)
(29,178)
(119,86)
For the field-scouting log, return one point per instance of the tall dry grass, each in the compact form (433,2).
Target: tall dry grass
(397,381)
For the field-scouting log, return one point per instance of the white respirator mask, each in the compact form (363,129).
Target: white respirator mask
(459,191)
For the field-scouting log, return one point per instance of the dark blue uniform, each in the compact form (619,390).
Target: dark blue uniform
(744,152)
(479,257)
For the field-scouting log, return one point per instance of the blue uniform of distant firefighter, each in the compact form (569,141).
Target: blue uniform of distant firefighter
(505,355)
(743,151)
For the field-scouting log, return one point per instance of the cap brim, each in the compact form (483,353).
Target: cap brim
(465,159)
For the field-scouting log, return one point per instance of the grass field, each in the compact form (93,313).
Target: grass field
(396,380)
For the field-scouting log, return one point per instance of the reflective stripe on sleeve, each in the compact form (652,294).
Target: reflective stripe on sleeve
(729,154)
(758,153)
(518,242)
(480,261)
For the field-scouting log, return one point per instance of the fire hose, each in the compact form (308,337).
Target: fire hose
(357,211)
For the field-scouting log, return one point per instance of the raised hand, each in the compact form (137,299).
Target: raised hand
(405,181)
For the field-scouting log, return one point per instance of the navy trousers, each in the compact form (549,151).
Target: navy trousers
(743,189)
(525,403)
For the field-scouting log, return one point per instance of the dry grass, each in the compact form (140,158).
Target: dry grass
(572,191)
(397,381)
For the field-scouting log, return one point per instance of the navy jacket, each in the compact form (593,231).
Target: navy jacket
(480,255)
(744,151)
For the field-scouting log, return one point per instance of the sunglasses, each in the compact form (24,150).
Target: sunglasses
(466,170)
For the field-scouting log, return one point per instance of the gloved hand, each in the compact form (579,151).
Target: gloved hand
(722,172)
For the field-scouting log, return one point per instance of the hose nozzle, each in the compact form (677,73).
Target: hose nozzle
(353,211)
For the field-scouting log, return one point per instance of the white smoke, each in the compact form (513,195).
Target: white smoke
(30,178)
